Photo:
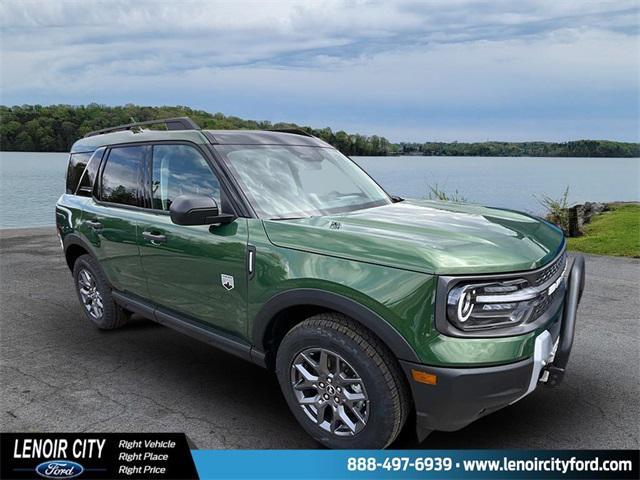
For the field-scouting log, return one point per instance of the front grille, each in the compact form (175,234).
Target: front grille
(551,271)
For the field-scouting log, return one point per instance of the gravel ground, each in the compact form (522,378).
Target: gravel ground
(61,374)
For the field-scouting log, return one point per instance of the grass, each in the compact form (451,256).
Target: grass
(557,209)
(616,232)
(435,193)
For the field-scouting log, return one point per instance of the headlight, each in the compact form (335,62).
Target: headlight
(500,304)
(476,306)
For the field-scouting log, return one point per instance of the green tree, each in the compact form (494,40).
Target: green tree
(56,127)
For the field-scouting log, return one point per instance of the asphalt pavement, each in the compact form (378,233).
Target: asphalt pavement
(58,373)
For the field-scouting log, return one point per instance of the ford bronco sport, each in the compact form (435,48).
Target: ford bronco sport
(277,248)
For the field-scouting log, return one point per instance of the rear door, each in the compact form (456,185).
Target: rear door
(197,271)
(110,217)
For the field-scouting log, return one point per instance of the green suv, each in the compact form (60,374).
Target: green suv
(371,309)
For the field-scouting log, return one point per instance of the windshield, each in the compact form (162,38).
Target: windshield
(291,182)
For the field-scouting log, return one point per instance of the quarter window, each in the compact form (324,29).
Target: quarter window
(85,189)
(180,170)
(77,164)
(121,176)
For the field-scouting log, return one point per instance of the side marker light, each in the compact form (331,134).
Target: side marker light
(424,377)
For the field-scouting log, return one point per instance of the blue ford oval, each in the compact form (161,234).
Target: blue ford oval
(59,469)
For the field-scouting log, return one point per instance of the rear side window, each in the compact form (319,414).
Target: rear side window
(85,189)
(120,181)
(77,164)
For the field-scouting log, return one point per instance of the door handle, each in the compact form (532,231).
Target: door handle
(93,225)
(154,238)
(251,261)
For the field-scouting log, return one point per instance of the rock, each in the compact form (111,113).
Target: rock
(579,215)
(587,210)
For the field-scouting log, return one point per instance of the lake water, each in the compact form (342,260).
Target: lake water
(30,183)
(509,182)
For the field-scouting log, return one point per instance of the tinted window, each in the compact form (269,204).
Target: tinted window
(87,180)
(180,170)
(120,177)
(77,164)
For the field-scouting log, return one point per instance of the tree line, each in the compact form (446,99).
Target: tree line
(54,128)
(577,148)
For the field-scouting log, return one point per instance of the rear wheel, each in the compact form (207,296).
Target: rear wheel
(95,295)
(341,383)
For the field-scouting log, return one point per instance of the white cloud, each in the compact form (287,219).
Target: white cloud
(448,66)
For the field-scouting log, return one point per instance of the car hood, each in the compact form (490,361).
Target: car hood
(426,236)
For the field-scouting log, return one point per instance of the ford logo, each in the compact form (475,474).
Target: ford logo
(59,469)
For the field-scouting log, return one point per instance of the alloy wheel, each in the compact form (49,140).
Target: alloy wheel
(91,298)
(330,391)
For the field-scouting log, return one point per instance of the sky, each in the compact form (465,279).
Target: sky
(409,70)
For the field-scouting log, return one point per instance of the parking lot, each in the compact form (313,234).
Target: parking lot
(61,374)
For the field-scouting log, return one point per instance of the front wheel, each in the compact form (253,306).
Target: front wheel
(341,383)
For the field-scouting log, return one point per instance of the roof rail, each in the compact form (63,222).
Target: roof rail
(295,131)
(177,123)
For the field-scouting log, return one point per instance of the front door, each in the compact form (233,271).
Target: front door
(197,271)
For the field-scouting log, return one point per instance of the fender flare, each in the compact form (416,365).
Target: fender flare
(321,298)
(75,239)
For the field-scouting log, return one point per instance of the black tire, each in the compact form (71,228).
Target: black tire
(371,361)
(113,316)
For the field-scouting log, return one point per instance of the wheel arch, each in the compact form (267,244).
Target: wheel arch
(284,310)
(74,247)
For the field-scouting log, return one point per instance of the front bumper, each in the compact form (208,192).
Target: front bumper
(462,395)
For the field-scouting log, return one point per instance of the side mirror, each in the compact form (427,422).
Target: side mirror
(197,210)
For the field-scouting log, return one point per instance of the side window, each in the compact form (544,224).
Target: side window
(85,189)
(121,176)
(77,164)
(180,170)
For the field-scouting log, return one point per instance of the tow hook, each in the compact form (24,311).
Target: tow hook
(547,365)
(544,376)
(552,376)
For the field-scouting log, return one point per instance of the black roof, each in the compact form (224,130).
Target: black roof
(262,137)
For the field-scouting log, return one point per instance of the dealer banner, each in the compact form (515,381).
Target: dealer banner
(172,456)
(96,455)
